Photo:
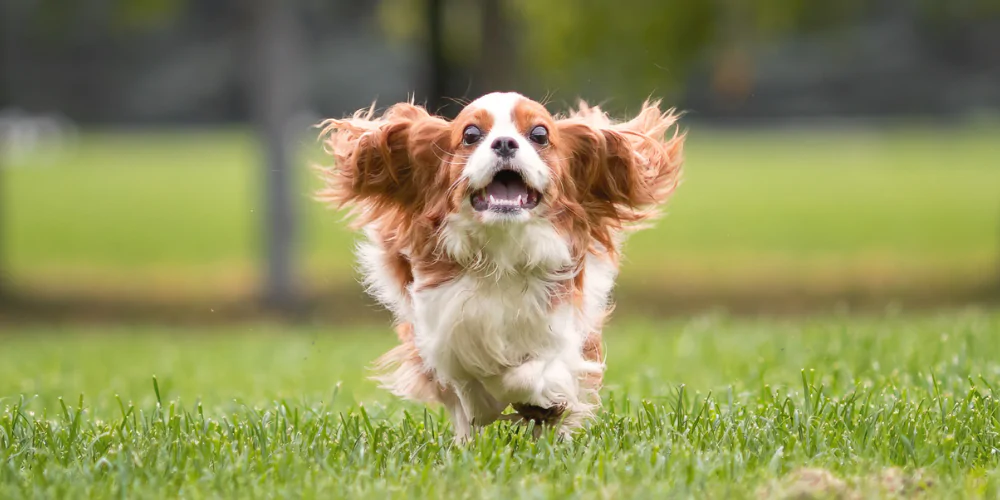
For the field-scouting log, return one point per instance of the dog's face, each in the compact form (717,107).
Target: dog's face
(506,146)
(504,160)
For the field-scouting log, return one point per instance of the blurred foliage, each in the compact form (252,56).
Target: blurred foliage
(639,50)
(137,14)
(624,51)
(58,19)
(636,48)
(640,47)
(405,21)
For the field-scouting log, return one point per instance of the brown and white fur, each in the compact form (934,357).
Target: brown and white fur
(500,300)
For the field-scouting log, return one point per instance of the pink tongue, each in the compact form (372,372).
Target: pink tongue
(511,191)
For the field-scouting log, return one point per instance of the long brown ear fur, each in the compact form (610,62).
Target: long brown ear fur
(383,162)
(622,172)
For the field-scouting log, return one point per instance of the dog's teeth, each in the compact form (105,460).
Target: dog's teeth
(493,201)
(519,200)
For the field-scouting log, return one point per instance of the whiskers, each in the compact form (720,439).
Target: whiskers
(447,157)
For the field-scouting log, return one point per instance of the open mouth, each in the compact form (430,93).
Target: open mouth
(507,192)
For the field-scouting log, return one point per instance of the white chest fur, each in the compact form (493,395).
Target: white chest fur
(493,334)
(498,313)
(496,326)
(479,325)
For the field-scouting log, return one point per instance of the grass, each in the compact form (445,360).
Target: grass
(704,407)
(822,208)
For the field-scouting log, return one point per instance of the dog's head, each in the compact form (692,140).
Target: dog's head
(504,161)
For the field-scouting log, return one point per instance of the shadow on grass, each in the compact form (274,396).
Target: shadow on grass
(349,305)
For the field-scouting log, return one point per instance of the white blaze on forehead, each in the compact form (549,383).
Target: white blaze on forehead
(500,105)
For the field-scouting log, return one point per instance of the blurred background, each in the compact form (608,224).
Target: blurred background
(154,154)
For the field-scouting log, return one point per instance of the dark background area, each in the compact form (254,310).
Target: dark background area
(179,61)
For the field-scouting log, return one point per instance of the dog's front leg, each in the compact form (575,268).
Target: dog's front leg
(534,395)
(549,392)
(476,409)
(459,417)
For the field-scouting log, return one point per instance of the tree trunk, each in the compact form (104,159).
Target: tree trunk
(497,67)
(276,87)
(732,76)
(7,70)
(438,71)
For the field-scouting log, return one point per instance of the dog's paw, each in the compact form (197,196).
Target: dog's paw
(549,415)
(522,382)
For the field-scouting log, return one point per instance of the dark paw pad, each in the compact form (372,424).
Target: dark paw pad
(539,415)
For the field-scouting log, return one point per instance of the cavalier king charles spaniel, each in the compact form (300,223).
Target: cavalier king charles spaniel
(495,240)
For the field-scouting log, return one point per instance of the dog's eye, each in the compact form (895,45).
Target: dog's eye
(471,135)
(539,135)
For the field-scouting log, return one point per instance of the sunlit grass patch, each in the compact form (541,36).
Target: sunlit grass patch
(849,407)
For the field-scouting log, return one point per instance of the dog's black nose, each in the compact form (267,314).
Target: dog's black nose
(504,147)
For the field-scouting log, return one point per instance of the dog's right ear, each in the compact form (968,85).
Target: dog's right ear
(385,161)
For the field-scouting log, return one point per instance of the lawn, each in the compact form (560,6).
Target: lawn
(177,213)
(708,406)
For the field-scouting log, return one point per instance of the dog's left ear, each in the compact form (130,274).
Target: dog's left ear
(622,170)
